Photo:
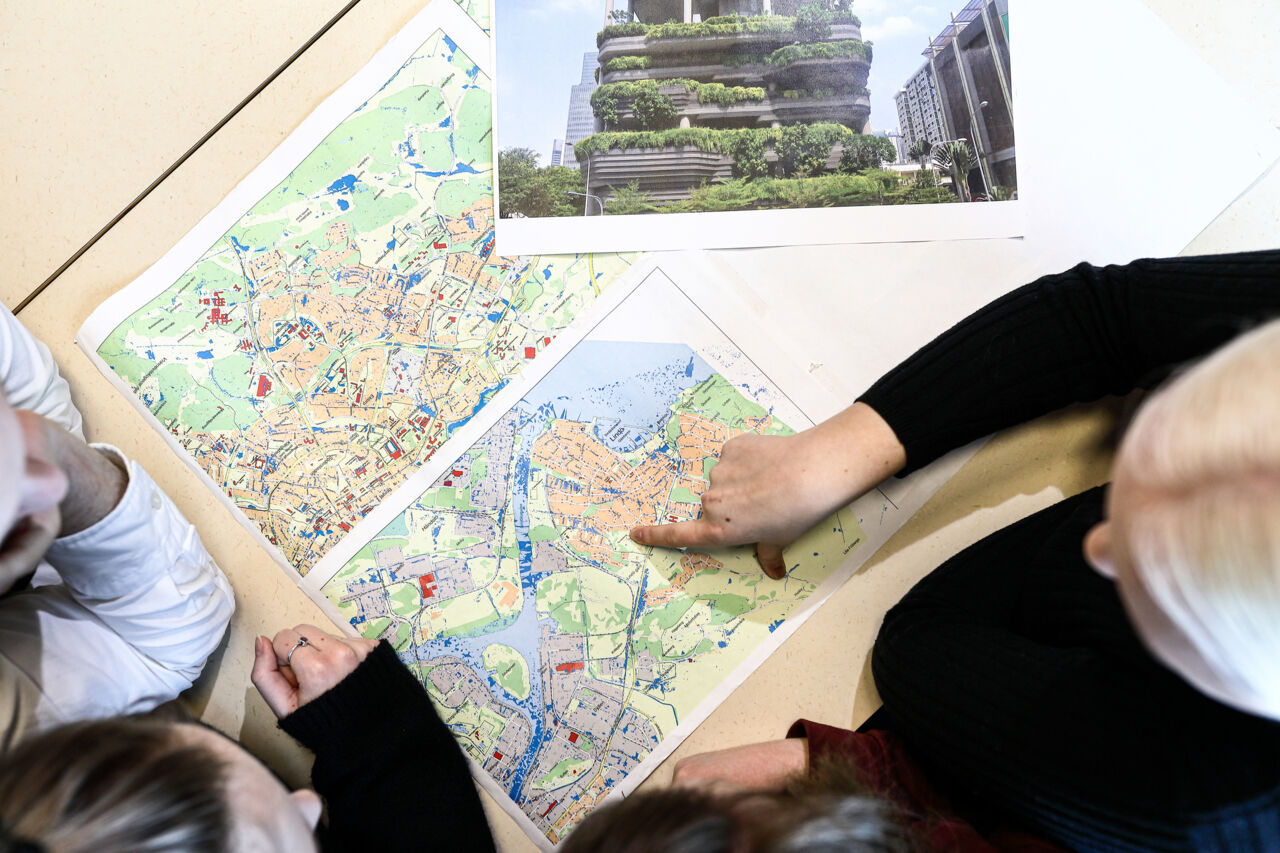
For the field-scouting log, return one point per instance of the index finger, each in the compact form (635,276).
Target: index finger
(681,534)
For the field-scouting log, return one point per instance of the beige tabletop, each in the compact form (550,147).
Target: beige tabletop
(100,97)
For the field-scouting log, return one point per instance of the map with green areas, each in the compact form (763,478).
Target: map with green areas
(478,10)
(559,652)
(331,341)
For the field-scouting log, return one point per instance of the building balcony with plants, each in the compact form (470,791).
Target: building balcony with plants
(681,80)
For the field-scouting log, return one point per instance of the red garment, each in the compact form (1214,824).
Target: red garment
(889,771)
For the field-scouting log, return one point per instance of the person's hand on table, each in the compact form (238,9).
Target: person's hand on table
(755,767)
(768,490)
(290,673)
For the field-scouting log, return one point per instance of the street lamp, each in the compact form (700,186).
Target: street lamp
(586,210)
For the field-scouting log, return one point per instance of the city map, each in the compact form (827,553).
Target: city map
(356,316)
(559,652)
(478,10)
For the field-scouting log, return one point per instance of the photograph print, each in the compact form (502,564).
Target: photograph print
(656,108)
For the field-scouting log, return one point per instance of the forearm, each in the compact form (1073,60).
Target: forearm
(852,452)
(382,752)
(1071,337)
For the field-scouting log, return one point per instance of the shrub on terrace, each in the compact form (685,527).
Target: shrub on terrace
(628,63)
(654,110)
(813,23)
(635,28)
(608,99)
(726,96)
(724,26)
(824,50)
(805,145)
(803,149)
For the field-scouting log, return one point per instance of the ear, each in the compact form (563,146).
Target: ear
(1097,549)
(308,804)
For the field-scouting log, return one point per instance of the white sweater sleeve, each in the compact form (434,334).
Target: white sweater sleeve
(30,377)
(142,605)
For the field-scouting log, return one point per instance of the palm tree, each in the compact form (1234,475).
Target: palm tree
(956,158)
(920,150)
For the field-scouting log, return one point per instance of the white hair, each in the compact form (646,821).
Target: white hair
(1205,537)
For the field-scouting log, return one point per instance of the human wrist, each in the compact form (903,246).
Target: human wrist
(97,481)
(860,450)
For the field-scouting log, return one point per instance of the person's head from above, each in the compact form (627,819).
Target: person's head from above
(1193,531)
(820,813)
(31,487)
(141,785)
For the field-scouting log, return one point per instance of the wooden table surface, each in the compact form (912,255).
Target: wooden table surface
(100,97)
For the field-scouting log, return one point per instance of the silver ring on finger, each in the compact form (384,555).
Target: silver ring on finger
(302,641)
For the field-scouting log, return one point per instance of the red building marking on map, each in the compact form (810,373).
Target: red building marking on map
(264,386)
(530,352)
(498,755)
(554,803)
(575,666)
(573,737)
(440,245)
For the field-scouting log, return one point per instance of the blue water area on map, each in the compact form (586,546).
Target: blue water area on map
(586,386)
(343,204)
(240,247)
(606,382)
(205,354)
(346,183)
(453,46)
(447,121)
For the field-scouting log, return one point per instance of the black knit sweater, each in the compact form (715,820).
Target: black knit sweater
(389,770)
(1012,671)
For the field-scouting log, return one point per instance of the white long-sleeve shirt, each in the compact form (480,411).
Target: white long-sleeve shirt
(140,605)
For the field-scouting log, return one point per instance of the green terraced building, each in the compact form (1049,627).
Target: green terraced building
(718,65)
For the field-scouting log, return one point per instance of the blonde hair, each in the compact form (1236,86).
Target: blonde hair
(1205,537)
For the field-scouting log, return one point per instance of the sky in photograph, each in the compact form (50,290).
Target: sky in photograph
(540,45)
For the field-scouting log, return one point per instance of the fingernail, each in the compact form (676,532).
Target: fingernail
(637,534)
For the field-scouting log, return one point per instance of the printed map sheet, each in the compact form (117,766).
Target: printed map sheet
(568,660)
(309,349)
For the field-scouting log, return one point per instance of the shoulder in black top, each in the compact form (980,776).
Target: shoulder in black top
(1012,670)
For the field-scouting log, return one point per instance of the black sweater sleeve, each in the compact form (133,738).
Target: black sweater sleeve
(1071,337)
(389,770)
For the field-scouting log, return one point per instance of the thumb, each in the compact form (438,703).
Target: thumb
(280,695)
(770,559)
